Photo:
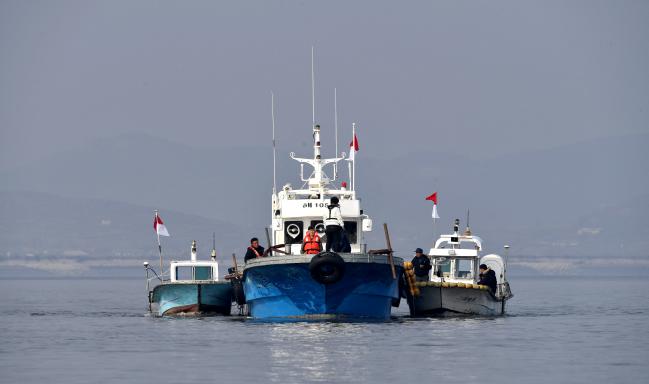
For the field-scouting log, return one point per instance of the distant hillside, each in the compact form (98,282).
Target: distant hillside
(68,233)
(582,200)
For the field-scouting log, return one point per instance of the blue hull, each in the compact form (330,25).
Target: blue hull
(288,291)
(192,298)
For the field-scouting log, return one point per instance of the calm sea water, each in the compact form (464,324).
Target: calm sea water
(564,330)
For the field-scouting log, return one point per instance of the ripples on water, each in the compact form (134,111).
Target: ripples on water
(557,330)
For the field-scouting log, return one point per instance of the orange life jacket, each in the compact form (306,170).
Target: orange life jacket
(311,245)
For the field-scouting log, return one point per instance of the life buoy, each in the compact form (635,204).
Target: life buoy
(327,267)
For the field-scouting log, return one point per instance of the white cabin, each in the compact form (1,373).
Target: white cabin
(456,258)
(294,210)
(193,270)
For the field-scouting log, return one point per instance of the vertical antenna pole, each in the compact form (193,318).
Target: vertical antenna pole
(336,130)
(272,113)
(312,87)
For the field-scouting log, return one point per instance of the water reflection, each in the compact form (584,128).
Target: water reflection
(317,351)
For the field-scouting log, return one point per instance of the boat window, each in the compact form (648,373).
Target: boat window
(183,273)
(293,232)
(319,227)
(351,227)
(464,268)
(442,267)
(203,273)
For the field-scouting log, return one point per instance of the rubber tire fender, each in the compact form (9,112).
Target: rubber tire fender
(327,267)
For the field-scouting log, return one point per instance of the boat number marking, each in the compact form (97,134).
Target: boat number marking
(314,205)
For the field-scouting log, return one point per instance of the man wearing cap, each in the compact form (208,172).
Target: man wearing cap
(488,277)
(421,265)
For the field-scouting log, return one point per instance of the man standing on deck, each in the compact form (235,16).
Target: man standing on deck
(254,250)
(421,265)
(333,221)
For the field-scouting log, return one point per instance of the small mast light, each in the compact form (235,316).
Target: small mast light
(455,238)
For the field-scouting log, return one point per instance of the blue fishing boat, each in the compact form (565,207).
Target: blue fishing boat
(193,288)
(346,282)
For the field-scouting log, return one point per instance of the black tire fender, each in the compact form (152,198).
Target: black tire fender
(327,267)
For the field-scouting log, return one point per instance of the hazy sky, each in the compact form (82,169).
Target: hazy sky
(472,77)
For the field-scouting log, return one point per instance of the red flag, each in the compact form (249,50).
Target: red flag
(433,198)
(159,226)
(354,143)
(353,147)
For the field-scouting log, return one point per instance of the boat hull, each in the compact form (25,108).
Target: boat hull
(435,299)
(282,287)
(192,298)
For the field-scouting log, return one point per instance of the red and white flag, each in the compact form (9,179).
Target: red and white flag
(433,198)
(353,147)
(159,226)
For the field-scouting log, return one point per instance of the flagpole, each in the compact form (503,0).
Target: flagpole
(353,148)
(434,231)
(159,246)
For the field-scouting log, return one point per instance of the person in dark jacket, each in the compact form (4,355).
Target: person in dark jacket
(254,250)
(345,246)
(421,265)
(488,278)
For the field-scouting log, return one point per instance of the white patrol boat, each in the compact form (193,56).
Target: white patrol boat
(454,284)
(290,284)
(193,288)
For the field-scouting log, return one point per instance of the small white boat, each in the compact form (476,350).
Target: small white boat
(193,288)
(454,284)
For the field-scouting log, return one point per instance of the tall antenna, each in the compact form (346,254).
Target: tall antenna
(213,254)
(336,129)
(272,113)
(312,87)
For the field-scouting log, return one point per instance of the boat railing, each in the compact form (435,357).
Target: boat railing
(306,258)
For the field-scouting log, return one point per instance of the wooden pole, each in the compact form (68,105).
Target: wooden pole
(390,258)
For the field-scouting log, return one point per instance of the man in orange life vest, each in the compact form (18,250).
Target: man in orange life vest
(311,244)
(254,250)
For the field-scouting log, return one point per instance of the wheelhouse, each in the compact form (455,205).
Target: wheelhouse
(456,258)
(192,271)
